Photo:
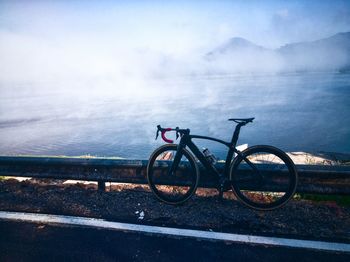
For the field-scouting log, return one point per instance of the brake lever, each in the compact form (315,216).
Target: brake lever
(158,129)
(177,132)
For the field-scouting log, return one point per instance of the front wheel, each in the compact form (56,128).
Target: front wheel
(263,177)
(172,184)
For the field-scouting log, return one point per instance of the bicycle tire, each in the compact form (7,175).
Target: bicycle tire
(175,188)
(274,180)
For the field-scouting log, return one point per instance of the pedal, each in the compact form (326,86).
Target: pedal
(221,190)
(221,187)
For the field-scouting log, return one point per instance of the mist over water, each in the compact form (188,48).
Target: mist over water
(96,78)
(297,112)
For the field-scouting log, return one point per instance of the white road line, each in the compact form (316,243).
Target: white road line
(100,223)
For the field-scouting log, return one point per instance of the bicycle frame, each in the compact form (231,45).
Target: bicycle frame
(186,140)
(257,176)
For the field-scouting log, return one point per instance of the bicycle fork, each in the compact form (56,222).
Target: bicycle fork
(177,159)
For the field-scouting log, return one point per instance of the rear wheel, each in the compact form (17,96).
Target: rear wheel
(172,187)
(263,177)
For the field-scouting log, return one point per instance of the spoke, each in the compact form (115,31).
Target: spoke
(274,157)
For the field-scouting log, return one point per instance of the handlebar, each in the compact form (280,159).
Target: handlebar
(179,132)
(163,135)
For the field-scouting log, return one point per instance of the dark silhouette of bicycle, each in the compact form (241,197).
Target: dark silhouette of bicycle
(262,177)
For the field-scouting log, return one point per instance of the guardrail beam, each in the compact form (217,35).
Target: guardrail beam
(312,179)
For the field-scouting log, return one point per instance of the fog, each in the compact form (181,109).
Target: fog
(111,43)
(96,77)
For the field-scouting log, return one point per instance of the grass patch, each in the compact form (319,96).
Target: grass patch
(340,200)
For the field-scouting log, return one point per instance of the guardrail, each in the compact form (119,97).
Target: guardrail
(312,178)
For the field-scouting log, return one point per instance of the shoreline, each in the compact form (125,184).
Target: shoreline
(298,157)
(319,158)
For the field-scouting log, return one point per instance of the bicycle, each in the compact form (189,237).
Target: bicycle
(262,177)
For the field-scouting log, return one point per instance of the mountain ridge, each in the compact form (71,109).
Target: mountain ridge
(330,53)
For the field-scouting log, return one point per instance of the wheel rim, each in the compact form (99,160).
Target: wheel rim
(172,187)
(270,184)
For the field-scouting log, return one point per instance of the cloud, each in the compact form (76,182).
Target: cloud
(283,13)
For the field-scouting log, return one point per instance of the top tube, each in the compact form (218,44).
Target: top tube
(211,138)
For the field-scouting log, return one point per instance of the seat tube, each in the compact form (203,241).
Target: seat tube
(235,135)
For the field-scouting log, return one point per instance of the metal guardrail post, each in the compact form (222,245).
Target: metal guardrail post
(101,185)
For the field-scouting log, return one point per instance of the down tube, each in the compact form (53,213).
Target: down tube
(201,157)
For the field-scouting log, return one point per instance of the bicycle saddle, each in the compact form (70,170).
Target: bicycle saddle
(242,120)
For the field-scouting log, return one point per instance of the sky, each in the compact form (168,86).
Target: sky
(76,53)
(110,37)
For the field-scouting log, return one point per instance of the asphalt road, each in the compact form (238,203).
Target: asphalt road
(24,241)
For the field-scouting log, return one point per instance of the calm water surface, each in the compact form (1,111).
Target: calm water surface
(296,112)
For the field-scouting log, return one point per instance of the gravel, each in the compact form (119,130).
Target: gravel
(302,219)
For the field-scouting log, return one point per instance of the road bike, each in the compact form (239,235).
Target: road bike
(262,177)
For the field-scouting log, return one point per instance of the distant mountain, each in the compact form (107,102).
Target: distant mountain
(338,41)
(328,53)
(332,53)
(240,55)
(236,44)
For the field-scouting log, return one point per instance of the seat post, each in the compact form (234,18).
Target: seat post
(236,134)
